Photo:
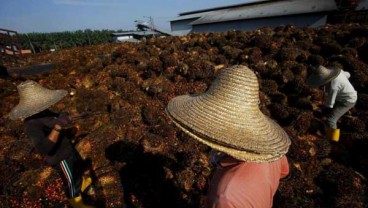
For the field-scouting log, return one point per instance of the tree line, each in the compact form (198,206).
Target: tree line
(38,42)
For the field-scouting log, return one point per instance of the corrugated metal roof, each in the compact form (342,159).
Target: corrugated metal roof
(224,7)
(262,10)
(190,16)
(199,13)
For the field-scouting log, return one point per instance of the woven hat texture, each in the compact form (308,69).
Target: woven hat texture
(322,75)
(33,98)
(227,118)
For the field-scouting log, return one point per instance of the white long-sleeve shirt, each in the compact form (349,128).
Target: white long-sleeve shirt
(340,90)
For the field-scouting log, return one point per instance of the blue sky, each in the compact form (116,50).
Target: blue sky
(26,16)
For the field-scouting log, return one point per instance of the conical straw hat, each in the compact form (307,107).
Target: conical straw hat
(33,98)
(322,75)
(227,118)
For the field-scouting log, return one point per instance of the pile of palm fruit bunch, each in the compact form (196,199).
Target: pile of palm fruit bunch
(140,159)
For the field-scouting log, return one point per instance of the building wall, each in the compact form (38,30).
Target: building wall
(213,21)
(314,20)
(181,27)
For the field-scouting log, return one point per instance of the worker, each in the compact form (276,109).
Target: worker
(248,147)
(46,130)
(341,96)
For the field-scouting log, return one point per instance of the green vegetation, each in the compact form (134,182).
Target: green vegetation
(60,40)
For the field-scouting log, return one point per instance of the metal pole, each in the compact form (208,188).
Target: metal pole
(30,43)
(152,26)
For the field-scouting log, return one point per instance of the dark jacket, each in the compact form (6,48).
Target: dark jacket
(37,128)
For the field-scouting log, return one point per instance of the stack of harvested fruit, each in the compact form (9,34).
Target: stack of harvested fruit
(141,159)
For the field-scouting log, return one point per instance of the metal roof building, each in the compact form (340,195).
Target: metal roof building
(250,16)
(144,30)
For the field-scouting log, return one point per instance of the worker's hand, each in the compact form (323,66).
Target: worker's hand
(64,120)
(325,109)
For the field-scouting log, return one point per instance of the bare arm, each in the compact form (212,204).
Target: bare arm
(54,134)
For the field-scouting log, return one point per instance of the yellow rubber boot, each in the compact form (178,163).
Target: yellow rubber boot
(333,134)
(86,181)
(77,202)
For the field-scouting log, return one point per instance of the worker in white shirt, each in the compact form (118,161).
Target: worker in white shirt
(341,96)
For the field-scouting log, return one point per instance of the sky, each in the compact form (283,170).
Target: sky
(25,16)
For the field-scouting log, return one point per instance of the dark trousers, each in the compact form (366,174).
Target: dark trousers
(71,171)
(337,112)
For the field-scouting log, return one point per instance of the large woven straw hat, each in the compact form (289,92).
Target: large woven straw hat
(33,98)
(227,118)
(322,75)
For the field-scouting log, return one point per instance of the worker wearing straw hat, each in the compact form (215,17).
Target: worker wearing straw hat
(46,130)
(249,148)
(341,96)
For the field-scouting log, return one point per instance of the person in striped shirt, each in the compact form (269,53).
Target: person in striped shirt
(47,132)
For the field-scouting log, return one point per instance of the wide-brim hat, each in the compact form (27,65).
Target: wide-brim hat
(33,98)
(227,118)
(322,75)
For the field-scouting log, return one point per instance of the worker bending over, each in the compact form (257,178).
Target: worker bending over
(341,96)
(46,130)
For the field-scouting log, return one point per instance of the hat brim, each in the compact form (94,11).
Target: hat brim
(250,137)
(32,107)
(315,80)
